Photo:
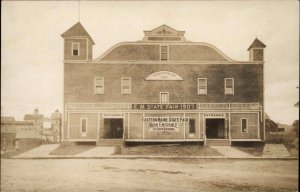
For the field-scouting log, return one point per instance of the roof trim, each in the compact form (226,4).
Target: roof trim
(158,43)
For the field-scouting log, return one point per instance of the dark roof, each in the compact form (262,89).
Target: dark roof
(297,104)
(77,30)
(33,117)
(7,119)
(23,123)
(132,51)
(256,44)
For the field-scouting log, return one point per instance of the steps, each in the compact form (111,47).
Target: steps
(110,142)
(218,142)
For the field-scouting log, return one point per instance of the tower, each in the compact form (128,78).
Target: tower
(78,44)
(256,51)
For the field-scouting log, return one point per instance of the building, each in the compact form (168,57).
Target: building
(52,128)
(8,133)
(28,136)
(270,125)
(36,118)
(162,88)
(56,124)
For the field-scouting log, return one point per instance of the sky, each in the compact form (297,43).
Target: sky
(32,48)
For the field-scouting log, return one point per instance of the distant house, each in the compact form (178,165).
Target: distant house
(51,128)
(36,118)
(8,133)
(27,134)
(270,125)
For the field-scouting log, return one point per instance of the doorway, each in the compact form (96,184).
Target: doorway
(215,128)
(113,128)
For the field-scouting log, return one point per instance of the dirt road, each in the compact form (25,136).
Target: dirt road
(148,175)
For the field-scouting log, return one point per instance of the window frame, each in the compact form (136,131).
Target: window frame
(84,133)
(160,52)
(198,89)
(122,84)
(160,97)
(73,46)
(99,86)
(241,126)
(225,86)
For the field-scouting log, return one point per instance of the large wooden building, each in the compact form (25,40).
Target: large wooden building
(161,89)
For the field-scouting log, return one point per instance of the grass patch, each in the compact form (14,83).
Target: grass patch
(66,149)
(170,150)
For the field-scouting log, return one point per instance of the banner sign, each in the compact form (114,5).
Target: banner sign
(164,106)
(164,124)
(164,76)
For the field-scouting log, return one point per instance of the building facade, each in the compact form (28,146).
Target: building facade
(161,89)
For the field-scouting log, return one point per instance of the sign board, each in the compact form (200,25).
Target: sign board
(164,124)
(113,115)
(164,106)
(164,75)
(214,115)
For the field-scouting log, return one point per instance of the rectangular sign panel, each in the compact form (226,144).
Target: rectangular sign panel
(164,124)
(164,106)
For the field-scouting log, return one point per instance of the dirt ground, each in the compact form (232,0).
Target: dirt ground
(170,150)
(148,175)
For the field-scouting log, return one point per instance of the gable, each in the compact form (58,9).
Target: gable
(164,33)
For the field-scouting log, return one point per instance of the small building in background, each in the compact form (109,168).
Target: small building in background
(28,138)
(36,118)
(56,124)
(8,133)
(270,125)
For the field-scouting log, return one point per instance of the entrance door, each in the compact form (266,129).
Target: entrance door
(215,128)
(113,128)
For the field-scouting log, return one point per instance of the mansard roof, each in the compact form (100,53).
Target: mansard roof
(77,30)
(150,51)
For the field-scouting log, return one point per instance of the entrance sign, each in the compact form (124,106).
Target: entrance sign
(164,75)
(214,115)
(113,115)
(164,124)
(164,106)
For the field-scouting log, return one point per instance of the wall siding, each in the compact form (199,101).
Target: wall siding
(235,124)
(79,83)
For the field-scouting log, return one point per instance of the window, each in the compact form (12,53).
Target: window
(164,97)
(164,49)
(99,85)
(202,86)
(229,86)
(75,49)
(244,125)
(83,125)
(192,126)
(126,85)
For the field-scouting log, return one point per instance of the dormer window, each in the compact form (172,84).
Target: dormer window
(75,49)
(164,52)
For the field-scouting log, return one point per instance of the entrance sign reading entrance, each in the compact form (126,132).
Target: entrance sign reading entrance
(164,124)
(113,115)
(164,106)
(214,115)
(164,75)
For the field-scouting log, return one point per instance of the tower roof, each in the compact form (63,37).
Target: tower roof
(77,30)
(256,44)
